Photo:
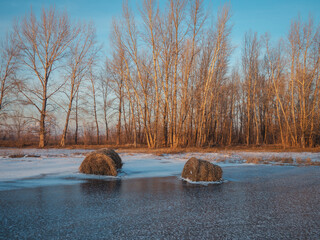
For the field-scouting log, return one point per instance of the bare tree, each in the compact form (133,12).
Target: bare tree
(158,67)
(214,76)
(250,63)
(8,65)
(82,55)
(275,61)
(107,102)
(304,83)
(76,132)
(139,83)
(93,81)
(116,69)
(43,43)
(190,49)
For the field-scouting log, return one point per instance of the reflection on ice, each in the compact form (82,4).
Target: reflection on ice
(93,186)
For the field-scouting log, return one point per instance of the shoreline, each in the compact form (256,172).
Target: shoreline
(168,150)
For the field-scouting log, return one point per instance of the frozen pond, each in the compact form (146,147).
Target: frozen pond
(43,196)
(258,202)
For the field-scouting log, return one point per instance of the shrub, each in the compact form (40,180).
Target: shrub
(17,156)
(287,160)
(254,160)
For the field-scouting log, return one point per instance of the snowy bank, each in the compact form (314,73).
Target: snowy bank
(61,166)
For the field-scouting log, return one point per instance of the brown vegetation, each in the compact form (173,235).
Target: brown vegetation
(32,156)
(17,156)
(306,162)
(277,160)
(282,161)
(254,160)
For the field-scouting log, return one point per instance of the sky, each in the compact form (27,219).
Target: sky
(272,16)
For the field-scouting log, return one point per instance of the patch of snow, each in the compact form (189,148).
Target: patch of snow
(60,166)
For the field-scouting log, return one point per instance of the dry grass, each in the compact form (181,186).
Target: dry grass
(16,156)
(240,148)
(254,160)
(32,156)
(277,160)
(301,161)
(282,160)
(287,160)
(306,162)
(165,150)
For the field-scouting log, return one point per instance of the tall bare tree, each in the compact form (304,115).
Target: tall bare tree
(107,103)
(250,63)
(9,52)
(93,80)
(43,43)
(82,55)
(303,41)
(215,72)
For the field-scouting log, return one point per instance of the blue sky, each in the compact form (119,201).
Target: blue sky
(272,16)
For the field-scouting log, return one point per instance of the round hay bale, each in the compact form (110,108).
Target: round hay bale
(201,171)
(99,164)
(113,155)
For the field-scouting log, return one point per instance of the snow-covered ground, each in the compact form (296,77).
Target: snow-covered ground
(40,167)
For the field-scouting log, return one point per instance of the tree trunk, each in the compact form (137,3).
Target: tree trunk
(96,118)
(65,130)
(42,131)
(119,118)
(77,126)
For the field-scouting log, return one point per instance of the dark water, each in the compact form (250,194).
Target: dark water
(258,202)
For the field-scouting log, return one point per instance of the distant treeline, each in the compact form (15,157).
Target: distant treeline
(167,81)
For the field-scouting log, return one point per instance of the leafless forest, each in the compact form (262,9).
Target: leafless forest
(167,81)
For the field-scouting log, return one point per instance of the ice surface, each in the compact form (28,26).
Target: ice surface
(60,166)
(202,182)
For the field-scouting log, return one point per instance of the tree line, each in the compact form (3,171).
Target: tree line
(167,81)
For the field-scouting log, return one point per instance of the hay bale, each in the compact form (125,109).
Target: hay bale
(99,164)
(201,171)
(112,154)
